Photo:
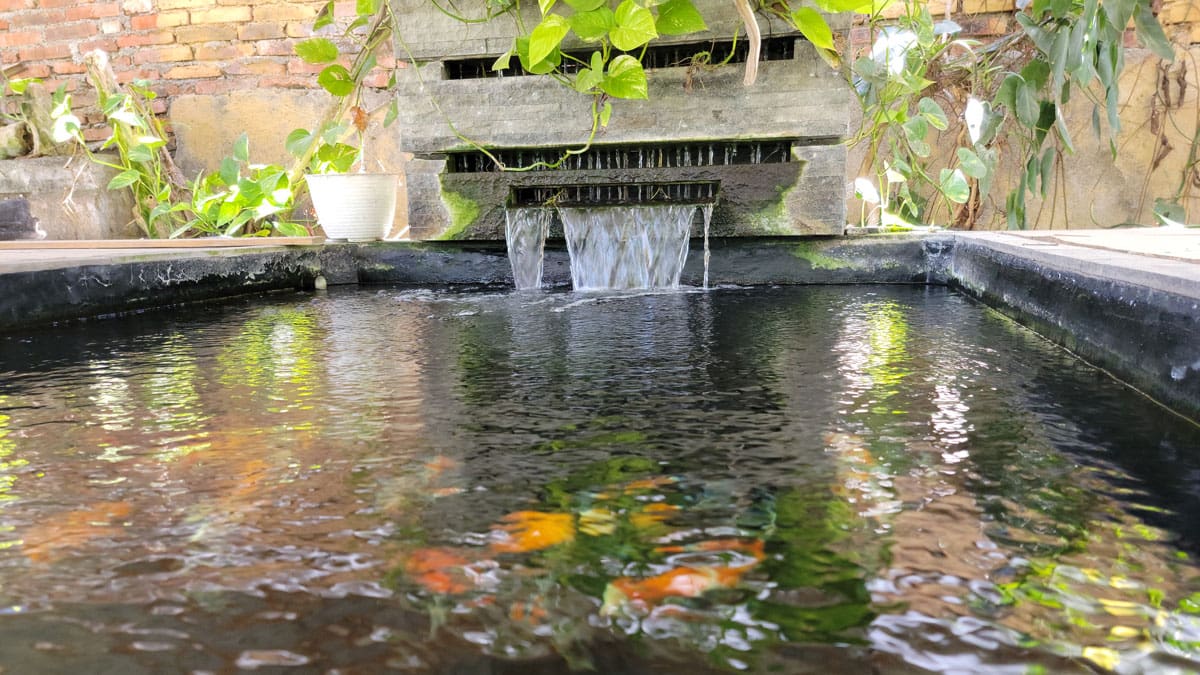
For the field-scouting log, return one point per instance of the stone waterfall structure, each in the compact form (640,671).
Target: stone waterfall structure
(763,160)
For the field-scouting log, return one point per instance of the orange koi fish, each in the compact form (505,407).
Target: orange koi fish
(525,531)
(47,542)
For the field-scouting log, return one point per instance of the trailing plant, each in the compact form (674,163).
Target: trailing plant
(1010,95)
(329,147)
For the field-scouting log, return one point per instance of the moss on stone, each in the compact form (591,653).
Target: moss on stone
(819,261)
(463,212)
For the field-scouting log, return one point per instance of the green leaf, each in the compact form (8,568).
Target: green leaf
(635,26)
(1060,123)
(812,25)
(971,164)
(954,186)
(241,148)
(287,229)
(933,113)
(317,50)
(587,79)
(606,113)
(502,61)
(625,78)
(364,7)
(1058,61)
(836,6)
(593,25)
(1047,168)
(324,17)
(393,112)
(140,153)
(336,80)
(1036,73)
(679,17)
(546,37)
(1027,105)
(545,6)
(124,179)
(19,86)
(585,5)
(297,142)
(1150,32)
(229,170)
(547,66)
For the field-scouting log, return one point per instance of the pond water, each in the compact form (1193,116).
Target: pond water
(818,479)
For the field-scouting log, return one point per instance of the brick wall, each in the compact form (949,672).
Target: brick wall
(180,46)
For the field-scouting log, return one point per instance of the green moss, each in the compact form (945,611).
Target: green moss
(819,261)
(463,212)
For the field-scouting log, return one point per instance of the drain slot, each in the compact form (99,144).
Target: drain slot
(615,194)
(639,156)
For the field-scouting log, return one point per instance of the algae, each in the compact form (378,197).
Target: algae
(463,212)
(819,261)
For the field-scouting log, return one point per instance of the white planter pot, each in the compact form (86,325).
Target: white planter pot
(354,206)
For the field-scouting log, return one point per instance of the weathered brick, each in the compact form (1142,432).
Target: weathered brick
(193,72)
(287,82)
(56,3)
(36,70)
(90,10)
(67,68)
(205,33)
(212,86)
(263,30)
(37,19)
(223,52)
(185,4)
(75,31)
(274,48)
(111,26)
(15,5)
(105,44)
(143,39)
(256,67)
(285,12)
(45,52)
(136,6)
(163,55)
(221,15)
(20,38)
(299,29)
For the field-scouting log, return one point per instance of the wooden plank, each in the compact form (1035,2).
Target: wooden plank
(212,242)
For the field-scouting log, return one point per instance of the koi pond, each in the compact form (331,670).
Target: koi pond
(809,479)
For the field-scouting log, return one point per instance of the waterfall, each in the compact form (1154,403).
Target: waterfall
(706,210)
(627,247)
(525,231)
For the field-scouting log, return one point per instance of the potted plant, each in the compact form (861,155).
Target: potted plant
(355,205)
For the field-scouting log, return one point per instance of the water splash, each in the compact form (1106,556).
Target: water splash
(525,232)
(627,247)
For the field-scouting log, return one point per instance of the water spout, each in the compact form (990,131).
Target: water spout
(525,232)
(627,248)
(706,210)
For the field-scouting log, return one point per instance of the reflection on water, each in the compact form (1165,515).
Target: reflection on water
(789,480)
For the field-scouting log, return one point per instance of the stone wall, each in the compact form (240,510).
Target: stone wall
(241,51)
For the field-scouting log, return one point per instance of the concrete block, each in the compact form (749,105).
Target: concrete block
(69,197)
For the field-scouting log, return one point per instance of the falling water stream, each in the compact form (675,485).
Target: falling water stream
(627,247)
(525,231)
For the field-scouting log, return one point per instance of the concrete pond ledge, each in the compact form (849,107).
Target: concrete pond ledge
(1137,315)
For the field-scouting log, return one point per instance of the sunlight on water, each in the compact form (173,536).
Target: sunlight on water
(833,480)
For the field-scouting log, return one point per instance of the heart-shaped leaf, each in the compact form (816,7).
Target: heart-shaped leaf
(336,80)
(679,17)
(814,27)
(625,78)
(546,37)
(593,25)
(635,26)
(317,50)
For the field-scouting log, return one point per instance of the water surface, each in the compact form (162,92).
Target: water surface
(838,479)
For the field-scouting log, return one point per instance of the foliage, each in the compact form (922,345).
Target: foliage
(1014,93)
(137,138)
(241,197)
(328,148)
